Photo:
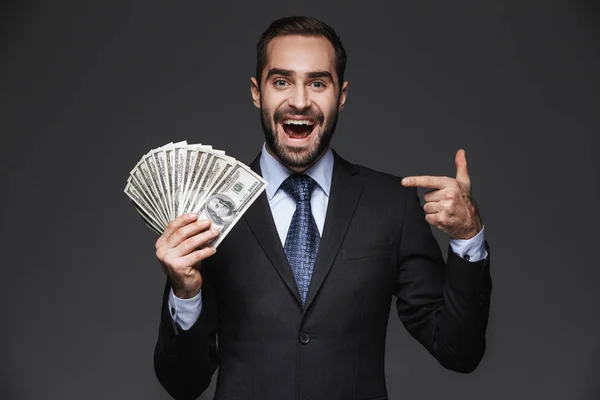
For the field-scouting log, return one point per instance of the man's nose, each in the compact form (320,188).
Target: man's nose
(299,98)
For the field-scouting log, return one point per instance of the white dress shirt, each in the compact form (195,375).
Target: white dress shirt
(186,311)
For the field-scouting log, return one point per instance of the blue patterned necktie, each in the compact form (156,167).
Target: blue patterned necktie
(302,240)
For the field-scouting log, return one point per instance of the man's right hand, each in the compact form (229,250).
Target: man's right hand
(180,250)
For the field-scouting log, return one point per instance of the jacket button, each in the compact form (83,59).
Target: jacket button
(304,338)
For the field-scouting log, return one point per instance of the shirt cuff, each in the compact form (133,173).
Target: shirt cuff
(185,312)
(470,249)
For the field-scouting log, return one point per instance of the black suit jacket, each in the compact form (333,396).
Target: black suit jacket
(375,245)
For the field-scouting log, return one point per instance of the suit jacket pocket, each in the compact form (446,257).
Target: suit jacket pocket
(366,251)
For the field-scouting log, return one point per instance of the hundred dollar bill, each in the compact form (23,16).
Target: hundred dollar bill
(189,170)
(141,178)
(152,161)
(201,162)
(166,157)
(144,196)
(216,164)
(179,160)
(142,208)
(167,153)
(176,170)
(230,199)
(186,167)
(219,167)
(178,178)
(220,173)
(165,179)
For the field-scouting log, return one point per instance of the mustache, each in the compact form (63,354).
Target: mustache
(308,113)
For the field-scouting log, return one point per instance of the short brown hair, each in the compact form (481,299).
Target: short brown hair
(304,26)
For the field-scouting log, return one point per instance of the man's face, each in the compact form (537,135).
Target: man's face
(220,207)
(299,98)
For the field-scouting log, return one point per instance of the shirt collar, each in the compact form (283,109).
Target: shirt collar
(275,172)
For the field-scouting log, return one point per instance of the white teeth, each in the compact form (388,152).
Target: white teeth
(298,122)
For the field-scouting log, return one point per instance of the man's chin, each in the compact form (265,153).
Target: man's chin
(297,157)
(296,154)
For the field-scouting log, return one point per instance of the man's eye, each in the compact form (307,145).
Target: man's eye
(318,84)
(280,83)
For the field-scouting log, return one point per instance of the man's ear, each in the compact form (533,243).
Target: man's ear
(255,90)
(343,95)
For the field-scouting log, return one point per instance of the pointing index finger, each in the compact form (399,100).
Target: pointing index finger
(432,182)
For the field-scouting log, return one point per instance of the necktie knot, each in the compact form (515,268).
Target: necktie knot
(300,187)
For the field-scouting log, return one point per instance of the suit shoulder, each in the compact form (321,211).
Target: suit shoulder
(373,177)
(382,186)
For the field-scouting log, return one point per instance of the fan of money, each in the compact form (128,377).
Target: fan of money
(180,178)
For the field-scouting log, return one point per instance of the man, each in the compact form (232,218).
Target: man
(298,294)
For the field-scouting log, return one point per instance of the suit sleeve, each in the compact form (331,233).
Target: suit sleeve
(445,306)
(185,360)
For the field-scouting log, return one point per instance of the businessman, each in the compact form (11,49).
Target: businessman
(295,302)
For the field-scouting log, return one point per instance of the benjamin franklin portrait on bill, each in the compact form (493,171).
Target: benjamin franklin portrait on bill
(221,209)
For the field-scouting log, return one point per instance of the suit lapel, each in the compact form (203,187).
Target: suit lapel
(346,188)
(261,223)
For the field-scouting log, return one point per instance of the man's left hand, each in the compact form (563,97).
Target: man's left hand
(449,206)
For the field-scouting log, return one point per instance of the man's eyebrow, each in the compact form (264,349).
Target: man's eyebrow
(320,74)
(279,71)
(288,73)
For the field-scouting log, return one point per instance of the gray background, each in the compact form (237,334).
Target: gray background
(87,87)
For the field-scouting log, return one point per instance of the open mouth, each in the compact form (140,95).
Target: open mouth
(298,128)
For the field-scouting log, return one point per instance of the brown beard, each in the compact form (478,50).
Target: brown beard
(298,158)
